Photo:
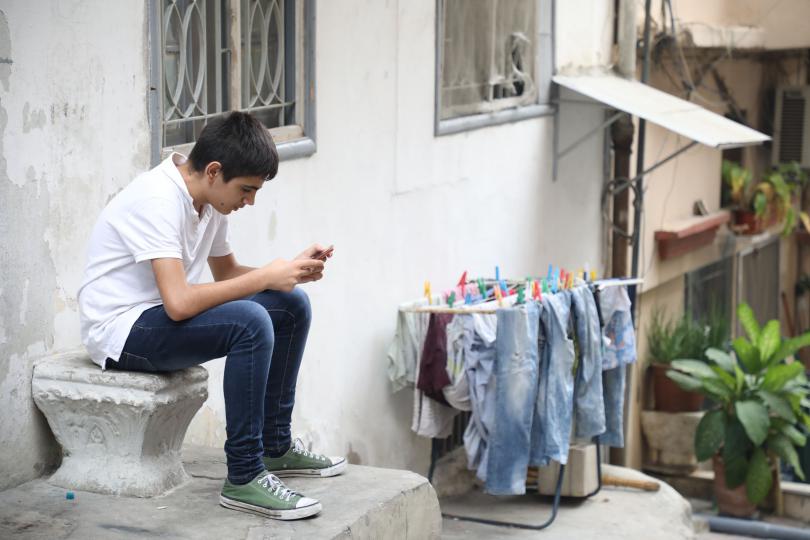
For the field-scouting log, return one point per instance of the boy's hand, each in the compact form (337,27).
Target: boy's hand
(281,275)
(317,251)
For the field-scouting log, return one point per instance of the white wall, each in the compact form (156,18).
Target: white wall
(400,205)
(73,131)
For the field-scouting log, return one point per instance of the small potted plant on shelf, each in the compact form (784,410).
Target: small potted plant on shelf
(787,182)
(682,338)
(762,411)
(756,205)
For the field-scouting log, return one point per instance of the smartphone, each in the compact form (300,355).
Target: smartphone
(325,254)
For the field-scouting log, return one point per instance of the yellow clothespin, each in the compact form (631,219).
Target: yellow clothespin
(593,275)
(428,296)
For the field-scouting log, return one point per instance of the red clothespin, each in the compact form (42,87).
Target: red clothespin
(563,280)
(462,283)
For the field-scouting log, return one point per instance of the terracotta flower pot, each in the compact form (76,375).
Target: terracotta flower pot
(730,502)
(746,222)
(669,397)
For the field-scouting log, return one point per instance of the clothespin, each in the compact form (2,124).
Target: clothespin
(570,281)
(427,292)
(468,299)
(504,288)
(544,286)
(563,278)
(462,283)
(550,274)
(593,275)
(498,295)
(520,295)
(497,273)
(587,271)
(579,272)
(482,288)
(556,281)
(451,299)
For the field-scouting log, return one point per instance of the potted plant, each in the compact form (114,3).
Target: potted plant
(761,204)
(786,182)
(681,338)
(761,410)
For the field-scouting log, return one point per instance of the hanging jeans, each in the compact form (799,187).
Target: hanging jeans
(551,429)
(516,370)
(613,383)
(263,338)
(620,350)
(479,337)
(589,405)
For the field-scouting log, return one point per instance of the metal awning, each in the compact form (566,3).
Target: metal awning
(675,114)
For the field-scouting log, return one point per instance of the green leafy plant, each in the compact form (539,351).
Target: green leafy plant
(787,181)
(774,196)
(762,403)
(683,337)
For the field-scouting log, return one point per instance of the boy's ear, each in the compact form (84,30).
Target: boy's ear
(212,170)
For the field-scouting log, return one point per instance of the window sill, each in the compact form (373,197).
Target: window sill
(294,149)
(688,235)
(476,121)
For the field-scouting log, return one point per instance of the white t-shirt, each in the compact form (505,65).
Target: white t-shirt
(152,218)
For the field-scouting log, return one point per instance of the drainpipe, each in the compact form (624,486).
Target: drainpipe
(756,529)
(621,134)
(638,203)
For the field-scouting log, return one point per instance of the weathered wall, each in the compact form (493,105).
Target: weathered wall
(73,131)
(772,24)
(400,205)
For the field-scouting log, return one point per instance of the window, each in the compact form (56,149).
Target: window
(493,62)
(212,56)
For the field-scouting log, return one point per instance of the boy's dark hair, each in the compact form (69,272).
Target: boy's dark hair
(240,143)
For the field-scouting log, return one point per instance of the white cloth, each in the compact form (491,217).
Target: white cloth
(406,348)
(153,217)
(457,393)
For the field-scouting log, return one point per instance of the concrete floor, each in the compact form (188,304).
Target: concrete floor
(619,513)
(364,502)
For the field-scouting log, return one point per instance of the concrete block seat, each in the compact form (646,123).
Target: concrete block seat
(120,432)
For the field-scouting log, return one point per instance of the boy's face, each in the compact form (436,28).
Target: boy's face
(230,196)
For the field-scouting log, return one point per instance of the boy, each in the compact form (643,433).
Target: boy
(142,307)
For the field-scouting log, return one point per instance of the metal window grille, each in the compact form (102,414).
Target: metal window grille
(709,290)
(758,280)
(487,55)
(200,78)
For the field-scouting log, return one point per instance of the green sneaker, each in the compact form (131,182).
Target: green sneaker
(266,495)
(298,461)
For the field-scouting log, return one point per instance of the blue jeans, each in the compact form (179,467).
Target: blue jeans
(516,365)
(263,337)
(555,394)
(613,381)
(589,405)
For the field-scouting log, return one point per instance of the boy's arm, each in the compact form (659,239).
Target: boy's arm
(183,300)
(226,267)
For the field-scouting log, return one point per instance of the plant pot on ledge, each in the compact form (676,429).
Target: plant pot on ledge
(730,502)
(669,397)
(746,222)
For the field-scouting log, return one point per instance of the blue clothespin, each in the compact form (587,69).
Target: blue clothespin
(468,299)
(497,273)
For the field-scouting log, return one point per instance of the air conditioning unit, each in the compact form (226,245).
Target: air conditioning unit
(791,126)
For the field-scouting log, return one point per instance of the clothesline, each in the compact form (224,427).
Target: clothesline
(601,284)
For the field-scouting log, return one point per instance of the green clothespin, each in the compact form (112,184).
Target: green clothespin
(482,288)
(451,299)
(521,292)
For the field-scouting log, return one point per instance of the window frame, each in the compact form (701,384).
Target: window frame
(544,69)
(292,141)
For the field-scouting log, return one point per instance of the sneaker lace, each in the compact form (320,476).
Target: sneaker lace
(272,483)
(299,448)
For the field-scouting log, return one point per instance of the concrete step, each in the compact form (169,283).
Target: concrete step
(364,502)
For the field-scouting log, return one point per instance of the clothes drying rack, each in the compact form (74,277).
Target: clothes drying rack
(435,443)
